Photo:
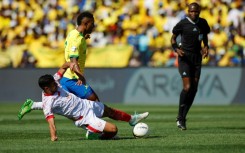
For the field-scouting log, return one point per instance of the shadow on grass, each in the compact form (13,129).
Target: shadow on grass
(218,127)
(232,128)
(125,138)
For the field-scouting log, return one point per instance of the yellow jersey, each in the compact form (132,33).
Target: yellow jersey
(75,47)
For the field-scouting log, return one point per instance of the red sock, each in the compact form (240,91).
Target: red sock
(120,115)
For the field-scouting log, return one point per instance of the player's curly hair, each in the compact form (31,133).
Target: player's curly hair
(83,15)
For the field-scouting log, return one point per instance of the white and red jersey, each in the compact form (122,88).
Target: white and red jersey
(63,103)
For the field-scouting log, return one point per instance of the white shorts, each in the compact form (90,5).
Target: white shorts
(91,121)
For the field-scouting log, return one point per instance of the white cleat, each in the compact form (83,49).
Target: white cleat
(138,117)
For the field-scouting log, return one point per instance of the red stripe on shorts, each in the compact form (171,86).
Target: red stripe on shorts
(93,129)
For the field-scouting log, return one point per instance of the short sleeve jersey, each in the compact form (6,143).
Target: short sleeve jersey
(75,47)
(191,33)
(63,103)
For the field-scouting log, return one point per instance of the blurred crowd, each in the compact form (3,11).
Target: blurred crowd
(146,25)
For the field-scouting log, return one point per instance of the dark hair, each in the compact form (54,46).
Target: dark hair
(83,15)
(194,4)
(45,81)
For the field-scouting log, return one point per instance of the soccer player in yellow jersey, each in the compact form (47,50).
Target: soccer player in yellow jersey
(75,52)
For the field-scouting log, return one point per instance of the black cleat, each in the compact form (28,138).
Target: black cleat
(181,124)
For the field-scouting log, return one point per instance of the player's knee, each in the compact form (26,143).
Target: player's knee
(92,97)
(109,132)
(114,129)
(110,128)
(187,88)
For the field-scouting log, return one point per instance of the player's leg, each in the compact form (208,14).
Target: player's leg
(102,110)
(95,96)
(123,116)
(195,75)
(25,108)
(109,132)
(96,127)
(192,94)
(82,91)
(28,106)
(185,73)
(100,129)
(195,72)
(183,100)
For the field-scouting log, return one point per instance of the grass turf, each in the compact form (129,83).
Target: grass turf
(211,129)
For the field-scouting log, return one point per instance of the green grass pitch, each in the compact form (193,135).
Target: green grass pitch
(211,129)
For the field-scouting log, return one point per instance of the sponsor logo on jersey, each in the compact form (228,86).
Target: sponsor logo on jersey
(195,29)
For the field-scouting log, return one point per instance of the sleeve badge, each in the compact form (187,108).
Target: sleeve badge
(73,48)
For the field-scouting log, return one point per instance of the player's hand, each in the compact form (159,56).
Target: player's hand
(87,36)
(180,52)
(204,52)
(79,82)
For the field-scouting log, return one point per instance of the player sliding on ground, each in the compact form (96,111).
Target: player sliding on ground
(75,52)
(85,113)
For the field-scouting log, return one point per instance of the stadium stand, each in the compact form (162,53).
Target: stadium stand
(32,32)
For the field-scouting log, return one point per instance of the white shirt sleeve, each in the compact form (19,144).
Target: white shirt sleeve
(57,76)
(47,107)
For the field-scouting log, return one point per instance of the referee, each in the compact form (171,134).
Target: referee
(193,31)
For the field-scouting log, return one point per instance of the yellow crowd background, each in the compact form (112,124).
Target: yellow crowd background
(128,33)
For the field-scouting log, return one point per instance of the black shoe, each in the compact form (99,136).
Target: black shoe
(181,124)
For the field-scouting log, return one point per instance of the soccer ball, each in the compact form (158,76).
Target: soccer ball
(141,130)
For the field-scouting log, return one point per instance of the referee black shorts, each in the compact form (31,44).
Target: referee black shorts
(190,65)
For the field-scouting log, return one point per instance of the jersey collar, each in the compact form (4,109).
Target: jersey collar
(81,34)
(45,94)
(192,21)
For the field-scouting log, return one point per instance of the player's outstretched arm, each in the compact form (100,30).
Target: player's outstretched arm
(52,129)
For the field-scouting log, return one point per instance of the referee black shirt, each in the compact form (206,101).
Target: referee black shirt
(191,33)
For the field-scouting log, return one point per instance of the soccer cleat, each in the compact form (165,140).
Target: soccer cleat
(25,108)
(138,117)
(181,124)
(92,136)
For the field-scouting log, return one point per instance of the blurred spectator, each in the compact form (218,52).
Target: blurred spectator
(98,39)
(144,24)
(27,61)
(135,60)
(218,41)
(144,48)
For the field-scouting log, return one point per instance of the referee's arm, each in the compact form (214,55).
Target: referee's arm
(175,46)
